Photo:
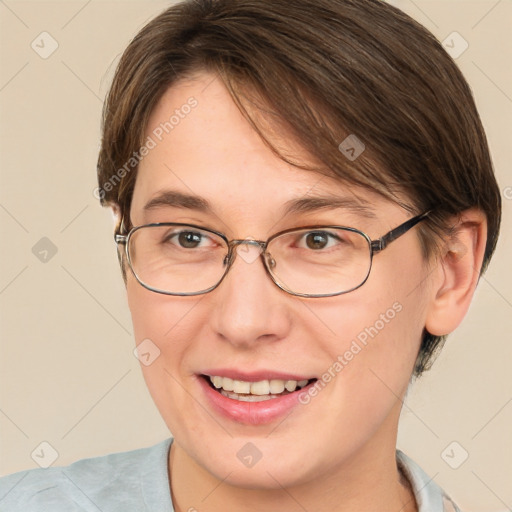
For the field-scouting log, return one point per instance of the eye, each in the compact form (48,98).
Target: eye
(318,240)
(188,239)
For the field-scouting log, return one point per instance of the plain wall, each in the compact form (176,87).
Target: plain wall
(68,375)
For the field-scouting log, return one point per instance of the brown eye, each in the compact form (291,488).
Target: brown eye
(189,239)
(317,240)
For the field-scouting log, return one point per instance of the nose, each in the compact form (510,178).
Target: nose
(247,307)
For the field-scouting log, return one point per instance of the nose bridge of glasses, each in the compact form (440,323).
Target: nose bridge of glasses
(248,241)
(243,249)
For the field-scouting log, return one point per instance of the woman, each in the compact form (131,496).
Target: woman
(305,203)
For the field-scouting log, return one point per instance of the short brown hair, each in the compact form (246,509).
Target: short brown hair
(325,69)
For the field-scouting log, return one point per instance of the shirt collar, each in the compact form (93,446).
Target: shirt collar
(429,496)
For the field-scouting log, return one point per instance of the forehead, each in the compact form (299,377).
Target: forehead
(203,147)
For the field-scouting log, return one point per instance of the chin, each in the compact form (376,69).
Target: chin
(265,477)
(272,466)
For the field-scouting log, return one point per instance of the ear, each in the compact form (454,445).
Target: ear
(457,272)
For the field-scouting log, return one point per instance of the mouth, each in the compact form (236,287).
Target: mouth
(255,391)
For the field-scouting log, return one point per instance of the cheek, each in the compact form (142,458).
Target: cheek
(374,337)
(162,335)
(379,357)
(158,317)
(377,325)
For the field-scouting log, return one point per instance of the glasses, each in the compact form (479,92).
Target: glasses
(311,261)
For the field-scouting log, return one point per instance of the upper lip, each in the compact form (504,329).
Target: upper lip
(254,376)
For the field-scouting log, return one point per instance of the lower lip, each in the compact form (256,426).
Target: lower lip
(251,413)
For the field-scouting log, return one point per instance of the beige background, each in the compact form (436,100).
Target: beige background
(68,375)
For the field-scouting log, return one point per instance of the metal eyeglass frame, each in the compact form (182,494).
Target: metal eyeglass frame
(375,247)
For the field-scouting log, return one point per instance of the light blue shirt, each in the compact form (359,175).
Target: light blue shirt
(137,481)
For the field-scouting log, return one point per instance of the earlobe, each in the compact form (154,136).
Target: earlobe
(457,273)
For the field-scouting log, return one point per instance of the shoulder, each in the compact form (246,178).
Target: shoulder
(126,481)
(429,496)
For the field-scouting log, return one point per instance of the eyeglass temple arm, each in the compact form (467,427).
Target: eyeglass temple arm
(381,243)
(118,238)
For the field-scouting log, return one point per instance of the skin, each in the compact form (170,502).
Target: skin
(337,453)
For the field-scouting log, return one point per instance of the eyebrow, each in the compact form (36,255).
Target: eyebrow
(172,198)
(178,200)
(326,202)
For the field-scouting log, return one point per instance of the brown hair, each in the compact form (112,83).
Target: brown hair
(325,69)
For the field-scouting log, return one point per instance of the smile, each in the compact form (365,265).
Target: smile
(256,397)
(259,391)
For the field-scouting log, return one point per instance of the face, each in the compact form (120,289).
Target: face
(356,350)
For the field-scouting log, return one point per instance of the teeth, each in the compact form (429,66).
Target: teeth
(261,388)
(277,386)
(227,384)
(256,389)
(239,386)
(291,385)
(247,398)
